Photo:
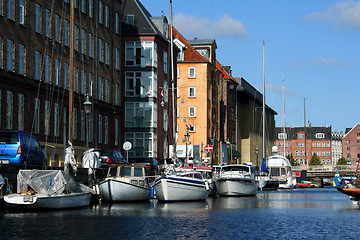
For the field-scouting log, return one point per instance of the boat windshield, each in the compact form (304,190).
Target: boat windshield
(278,171)
(125,172)
(236,168)
(138,172)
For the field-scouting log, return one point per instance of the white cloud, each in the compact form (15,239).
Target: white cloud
(342,14)
(331,61)
(279,89)
(226,26)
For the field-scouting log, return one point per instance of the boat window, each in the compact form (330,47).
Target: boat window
(138,172)
(283,172)
(197,175)
(112,172)
(125,171)
(236,168)
(275,172)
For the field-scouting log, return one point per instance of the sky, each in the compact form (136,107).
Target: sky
(314,46)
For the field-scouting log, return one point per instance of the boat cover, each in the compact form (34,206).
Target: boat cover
(51,182)
(91,160)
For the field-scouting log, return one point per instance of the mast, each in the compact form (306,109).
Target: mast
(263,103)
(172,81)
(71,66)
(306,157)
(284,117)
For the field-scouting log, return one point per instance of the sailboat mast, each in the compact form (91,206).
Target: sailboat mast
(71,54)
(172,81)
(263,103)
(284,118)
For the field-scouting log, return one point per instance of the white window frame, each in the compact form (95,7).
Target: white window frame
(192,72)
(192,92)
(192,112)
(22,12)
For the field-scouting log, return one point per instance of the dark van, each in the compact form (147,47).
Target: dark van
(19,148)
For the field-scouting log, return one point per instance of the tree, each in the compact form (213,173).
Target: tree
(315,160)
(341,161)
(292,160)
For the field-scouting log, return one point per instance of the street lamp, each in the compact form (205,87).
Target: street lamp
(229,144)
(186,135)
(87,107)
(257,155)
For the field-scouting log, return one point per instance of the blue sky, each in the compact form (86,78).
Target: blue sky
(313,45)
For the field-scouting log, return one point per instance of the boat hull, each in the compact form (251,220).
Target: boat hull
(39,201)
(236,187)
(352,192)
(169,189)
(115,190)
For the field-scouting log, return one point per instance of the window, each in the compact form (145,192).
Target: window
(192,128)
(90,84)
(21,59)
(47,23)
(140,114)
(1,47)
(116,132)
(37,116)
(117,59)
(83,6)
(91,8)
(117,23)
(165,121)
(101,58)
(47,69)
(192,93)
(313,144)
(83,40)
(288,144)
(106,135)
(82,126)
(47,118)
(101,19)
(37,65)
(90,45)
(74,123)
(75,80)
(100,89)
(10,55)
(66,32)
(106,90)
(10,9)
(140,54)
(192,112)
(144,144)
(100,129)
(301,144)
(348,155)
(57,28)
(9,109)
(82,81)
(130,20)
(66,75)
(57,72)
(38,18)
(282,136)
(22,12)
(165,62)
(76,38)
(56,119)
(301,135)
(21,107)
(348,141)
(106,55)
(116,94)
(140,84)
(328,144)
(107,24)
(320,135)
(191,72)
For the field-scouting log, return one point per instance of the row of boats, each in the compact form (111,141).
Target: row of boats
(125,182)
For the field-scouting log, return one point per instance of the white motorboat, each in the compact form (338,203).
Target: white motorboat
(125,183)
(48,189)
(181,185)
(236,180)
(280,170)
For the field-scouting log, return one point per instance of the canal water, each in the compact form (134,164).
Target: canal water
(322,213)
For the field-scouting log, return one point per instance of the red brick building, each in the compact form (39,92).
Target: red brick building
(303,143)
(351,144)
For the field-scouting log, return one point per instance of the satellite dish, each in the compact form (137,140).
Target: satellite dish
(127,146)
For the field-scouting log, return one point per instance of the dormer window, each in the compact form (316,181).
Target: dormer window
(301,135)
(320,135)
(282,136)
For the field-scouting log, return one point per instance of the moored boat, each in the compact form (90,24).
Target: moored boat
(125,183)
(48,189)
(236,180)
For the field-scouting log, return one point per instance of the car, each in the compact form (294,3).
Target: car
(21,148)
(150,163)
(108,157)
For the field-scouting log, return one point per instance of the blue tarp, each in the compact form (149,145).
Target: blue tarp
(263,166)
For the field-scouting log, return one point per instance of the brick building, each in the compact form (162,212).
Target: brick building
(303,143)
(351,144)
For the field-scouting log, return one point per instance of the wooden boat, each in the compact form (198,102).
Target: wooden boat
(48,189)
(125,183)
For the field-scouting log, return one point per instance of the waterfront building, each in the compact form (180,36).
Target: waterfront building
(351,145)
(304,142)
(148,84)
(249,129)
(336,145)
(35,73)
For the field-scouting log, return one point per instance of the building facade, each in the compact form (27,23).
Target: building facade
(336,144)
(303,143)
(351,144)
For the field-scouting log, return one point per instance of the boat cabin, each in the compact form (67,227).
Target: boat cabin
(135,174)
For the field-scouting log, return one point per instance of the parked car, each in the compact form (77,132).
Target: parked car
(20,148)
(110,157)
